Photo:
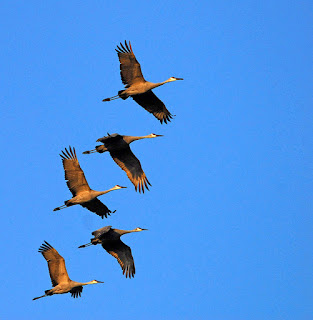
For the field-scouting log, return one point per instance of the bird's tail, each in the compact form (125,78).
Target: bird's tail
(85,245)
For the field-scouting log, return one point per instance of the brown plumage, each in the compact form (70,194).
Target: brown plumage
(118,146)
(110,240)
(59,277)
(77,183)
(137,87)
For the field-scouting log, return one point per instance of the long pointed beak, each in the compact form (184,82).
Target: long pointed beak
(158,135)
(144,229)
(122,187)
(100,281)
(179,79)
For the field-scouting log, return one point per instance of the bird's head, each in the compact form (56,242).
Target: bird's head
(95,281)
(139,229)
(153,135)
(117,187)
(174,79)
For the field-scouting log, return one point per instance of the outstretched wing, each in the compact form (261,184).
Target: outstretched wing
(97,207)
(76,291)
(74,175)
(56,264)
(130,67)
(131,165)
(98,233)
(154,105)
(123,254)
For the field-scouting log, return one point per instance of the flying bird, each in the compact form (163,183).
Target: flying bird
(137,87)
(78,185)
(60,280)
(118,146)
(111,242)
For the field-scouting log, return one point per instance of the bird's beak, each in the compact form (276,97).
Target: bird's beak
(144,229)
(100,281)
(159,135)
(122,187)
(179,79)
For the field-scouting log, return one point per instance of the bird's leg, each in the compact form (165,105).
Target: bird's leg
(40,297)
(90,151)
(112,98)
(59,208)
(85,245)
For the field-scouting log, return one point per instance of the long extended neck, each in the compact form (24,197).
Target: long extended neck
(77,284)
(130,139)
(155,85)
(122,232)
(90,282)
(99,193)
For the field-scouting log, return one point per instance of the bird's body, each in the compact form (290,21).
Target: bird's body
(59,277)
(137,87)
(110,240)
(77,183)
(118,147)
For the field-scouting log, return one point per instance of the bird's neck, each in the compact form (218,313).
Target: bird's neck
(77,284)
(122,232)
(99,193)
(155,85)
(85,283)
(130,139)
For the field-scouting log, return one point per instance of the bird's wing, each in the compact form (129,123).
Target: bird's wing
(76,291)
(154,105)
(123,254)
(56,264)
(98,233)
(97,207)
(130,67)
(74,175)
(110,138)
(131,165)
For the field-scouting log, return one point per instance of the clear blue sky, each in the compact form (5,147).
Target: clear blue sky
(230,208)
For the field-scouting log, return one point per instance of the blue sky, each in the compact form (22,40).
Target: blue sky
(229,211)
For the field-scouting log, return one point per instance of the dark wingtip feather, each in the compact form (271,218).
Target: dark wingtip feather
(45,247)
(127,46)
(130,46)
(148,182)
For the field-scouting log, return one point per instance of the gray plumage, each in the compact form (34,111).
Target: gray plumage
(78,185)
(59,277)
(110,240)
(118,147)
(137,87)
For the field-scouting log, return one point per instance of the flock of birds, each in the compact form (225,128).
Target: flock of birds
(119,148)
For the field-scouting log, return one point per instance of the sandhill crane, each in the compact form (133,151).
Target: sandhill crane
(77,183)
(118,146)
(60,280)
(137,87)
(111,242)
